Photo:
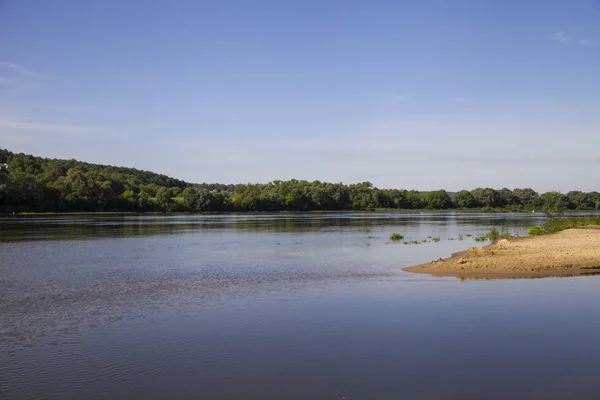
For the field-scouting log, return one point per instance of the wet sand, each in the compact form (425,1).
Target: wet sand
(566,253)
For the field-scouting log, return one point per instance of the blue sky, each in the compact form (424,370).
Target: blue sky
(420,94)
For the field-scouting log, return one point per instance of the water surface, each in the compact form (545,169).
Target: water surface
(272,306)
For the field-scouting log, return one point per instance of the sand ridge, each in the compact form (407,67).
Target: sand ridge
(566,253)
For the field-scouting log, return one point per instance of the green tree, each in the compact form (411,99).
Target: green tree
(528,198)
(594,200)
(164,200)
(361,196)
(508,199)
(190,198)
(554,204)
(415,199)
(438,200)
(143,200)
(580,201)
(486,197)
(394,198)
(175,191)
(464,199)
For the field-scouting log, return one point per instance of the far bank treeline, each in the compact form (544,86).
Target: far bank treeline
(29,183)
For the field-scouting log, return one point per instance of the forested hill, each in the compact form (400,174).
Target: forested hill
(29,183)
(52,169)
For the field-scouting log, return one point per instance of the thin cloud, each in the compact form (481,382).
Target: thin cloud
(25,126)
(16,78)
(562,37)
(67,109)
(524,161)
(15,84)
(398,98)
(463,99)
(20,70)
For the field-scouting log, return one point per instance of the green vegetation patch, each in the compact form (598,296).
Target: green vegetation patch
(557,225)
(535,231)
(494,234)
(35,184)
(396,236)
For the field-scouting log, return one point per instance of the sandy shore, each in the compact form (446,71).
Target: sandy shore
(566,253)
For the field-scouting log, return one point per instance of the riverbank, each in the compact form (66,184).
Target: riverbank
(378,210)
(565,253)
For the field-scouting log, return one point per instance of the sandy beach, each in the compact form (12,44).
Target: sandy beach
(566,253)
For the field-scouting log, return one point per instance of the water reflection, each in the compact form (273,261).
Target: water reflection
(31,228)
(499,277)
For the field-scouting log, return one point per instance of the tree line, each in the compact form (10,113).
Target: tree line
(50,185)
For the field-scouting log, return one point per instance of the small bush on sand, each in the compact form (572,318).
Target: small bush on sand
(536,231)
(557,225)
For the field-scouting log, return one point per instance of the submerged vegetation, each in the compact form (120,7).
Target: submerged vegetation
(35,184)
(396,236)
(494,234)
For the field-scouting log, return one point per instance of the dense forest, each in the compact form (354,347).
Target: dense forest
(29,183)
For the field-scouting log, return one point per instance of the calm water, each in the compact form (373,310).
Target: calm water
(277,306)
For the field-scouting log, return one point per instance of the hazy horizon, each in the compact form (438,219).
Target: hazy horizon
(416,95)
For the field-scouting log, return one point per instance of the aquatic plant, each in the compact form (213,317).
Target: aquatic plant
(412,242)
(396,236)
(494,234)
(436,239)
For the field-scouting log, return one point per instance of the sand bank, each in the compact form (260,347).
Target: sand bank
(566,253)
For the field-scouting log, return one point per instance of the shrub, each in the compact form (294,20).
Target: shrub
(436,239)
(536,231)
(494,234)
(396,236)
(557,225)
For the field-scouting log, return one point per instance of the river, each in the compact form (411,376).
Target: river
(281,306)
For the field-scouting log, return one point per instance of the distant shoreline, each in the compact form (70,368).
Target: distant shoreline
(572,252)
(403,211)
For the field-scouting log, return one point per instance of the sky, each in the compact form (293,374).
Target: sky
(414,94)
